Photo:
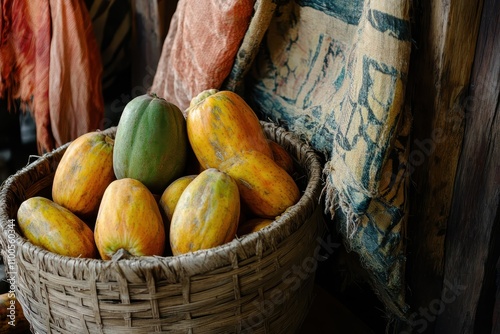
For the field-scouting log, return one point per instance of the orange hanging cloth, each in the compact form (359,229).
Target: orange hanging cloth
(50,66)
(24,62)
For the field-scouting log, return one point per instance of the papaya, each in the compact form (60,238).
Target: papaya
(207,213)
(221,124)
(253,225)
(84,173)
(129,219)
(282,157)
(151,142)
(12,315)
(171,195)
(265,188)
(53,227)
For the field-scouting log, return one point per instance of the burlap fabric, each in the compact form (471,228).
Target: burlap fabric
(333,72)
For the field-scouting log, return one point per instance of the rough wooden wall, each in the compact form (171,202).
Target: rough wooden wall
(454,220)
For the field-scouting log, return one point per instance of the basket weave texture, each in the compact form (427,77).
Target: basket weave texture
(258,283)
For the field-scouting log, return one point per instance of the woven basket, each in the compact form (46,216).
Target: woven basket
(259,283)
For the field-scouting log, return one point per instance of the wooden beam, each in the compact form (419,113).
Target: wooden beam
(473,234)
(445,33)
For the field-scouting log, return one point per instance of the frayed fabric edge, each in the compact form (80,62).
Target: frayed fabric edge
(335,200)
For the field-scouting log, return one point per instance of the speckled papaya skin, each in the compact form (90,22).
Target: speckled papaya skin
(265,188)
(282,157)
(253,225)
(207,213)
(171,195)
(220,124)
(84,173)
(55,228)
(129,219)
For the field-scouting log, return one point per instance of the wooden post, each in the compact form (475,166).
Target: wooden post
(473,234)
(445,34)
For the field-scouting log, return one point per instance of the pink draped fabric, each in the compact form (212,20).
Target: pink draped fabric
(200,48)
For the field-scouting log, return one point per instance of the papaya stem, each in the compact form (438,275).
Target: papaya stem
(121,254)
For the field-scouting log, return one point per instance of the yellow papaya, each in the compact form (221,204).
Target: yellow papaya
(253,225)
(282,157)
(206,214)
(265,188)
(84,172)
(129,219)
(220,124)
(53,227)
(171,195)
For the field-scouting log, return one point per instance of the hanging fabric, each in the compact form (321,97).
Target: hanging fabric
(50,66)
